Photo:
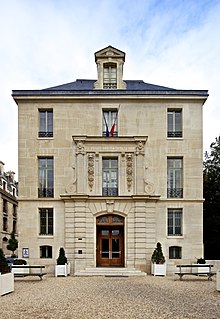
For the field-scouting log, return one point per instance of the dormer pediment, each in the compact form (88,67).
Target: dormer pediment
(110,63)
(110,52)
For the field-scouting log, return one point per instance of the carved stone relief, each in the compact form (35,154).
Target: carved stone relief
(80,148)
(140,148)
(91,170)
(71,188)
(129,170)
(148,186)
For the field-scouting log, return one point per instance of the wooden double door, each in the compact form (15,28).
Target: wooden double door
(110,246)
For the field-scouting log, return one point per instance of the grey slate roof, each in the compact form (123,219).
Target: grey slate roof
(86,87)
(132,85)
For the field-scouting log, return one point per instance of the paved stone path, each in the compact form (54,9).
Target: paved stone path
(114,298)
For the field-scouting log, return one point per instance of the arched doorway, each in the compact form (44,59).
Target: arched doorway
(110,241)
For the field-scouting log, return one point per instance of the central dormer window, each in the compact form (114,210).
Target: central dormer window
(110,63)
(110,76)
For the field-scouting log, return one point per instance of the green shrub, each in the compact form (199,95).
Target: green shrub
(157,256)
(4,268)
(61,260)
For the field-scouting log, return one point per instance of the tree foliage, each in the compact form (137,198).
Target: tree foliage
(211,193)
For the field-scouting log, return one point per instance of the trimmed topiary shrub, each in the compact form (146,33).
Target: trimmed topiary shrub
(61,260)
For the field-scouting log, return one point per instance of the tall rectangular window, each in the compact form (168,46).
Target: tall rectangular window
(174,177)
(45,177)
(110,123)
(45,123)
(110,177)
(14,218)
(174,123)
(46,221)
(174,222)
(110,76)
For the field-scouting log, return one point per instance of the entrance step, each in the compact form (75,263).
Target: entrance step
(110,272)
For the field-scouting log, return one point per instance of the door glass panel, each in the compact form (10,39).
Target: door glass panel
(105,248)
(115,248)
(117,219)
(115,232)
(102,219)
(105,232)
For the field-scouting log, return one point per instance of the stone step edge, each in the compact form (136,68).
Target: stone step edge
(110,272)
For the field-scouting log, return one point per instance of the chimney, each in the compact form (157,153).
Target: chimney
(2,167)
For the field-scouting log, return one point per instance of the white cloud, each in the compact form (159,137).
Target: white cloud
(49,42)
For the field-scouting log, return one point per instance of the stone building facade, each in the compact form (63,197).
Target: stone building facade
(8,207)
(109,167)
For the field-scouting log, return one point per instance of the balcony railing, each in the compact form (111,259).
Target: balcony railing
(174,192)
(110,85)
(45,134)
(45,192)
(175,134)
(114,134)
(109,191)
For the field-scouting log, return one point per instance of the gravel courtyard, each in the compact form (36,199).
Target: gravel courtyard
(106,297)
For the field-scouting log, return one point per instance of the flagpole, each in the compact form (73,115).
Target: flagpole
(106,126)
(113,126)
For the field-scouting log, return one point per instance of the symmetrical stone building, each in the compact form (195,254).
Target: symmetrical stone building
(109,167)
(8,207)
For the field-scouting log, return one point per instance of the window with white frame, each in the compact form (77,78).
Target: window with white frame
(110,123)
(46,221)
(174,222)
(174,177)
(174,123)
(109,176)
(175,252)
(45,177)
(45,251)
(45,123)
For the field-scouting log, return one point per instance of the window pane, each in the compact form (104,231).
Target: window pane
(45,177)
(175,222)
(42,121)
(46,123)
(50,122)
(175,252)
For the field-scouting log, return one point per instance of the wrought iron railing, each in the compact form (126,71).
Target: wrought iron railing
(45,134)
(45,192)
(175,134)
(174,192)
(109,191)
(114,134)
(110,85)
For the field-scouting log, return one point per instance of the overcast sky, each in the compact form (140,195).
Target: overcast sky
(44,43)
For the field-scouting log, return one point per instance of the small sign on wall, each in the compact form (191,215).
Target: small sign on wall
(25,252)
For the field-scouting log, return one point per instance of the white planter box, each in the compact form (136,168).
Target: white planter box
(20,270)
(218,280)
(62,270)
(158,269)
(6,283)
